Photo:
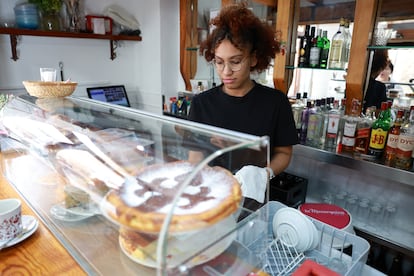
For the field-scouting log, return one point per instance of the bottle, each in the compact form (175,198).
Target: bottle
(302,58)
(324,55)
(405,148)
(307,42)
(325,108)
(305,99)
(334,117)
(363,132)
(305,120)
(297,109)
(315,50)
(379,132)
(341,125)
(348,40)
(336,55)
(315,126)
(200,86)
(392,140)
(350,124)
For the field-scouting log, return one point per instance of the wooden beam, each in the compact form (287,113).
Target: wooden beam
(365,16)
(287,13)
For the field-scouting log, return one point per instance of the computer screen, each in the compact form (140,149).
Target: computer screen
(115,94)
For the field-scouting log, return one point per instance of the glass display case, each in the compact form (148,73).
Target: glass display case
(105,178)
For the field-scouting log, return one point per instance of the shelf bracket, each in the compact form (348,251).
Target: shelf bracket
(13,45)
(113,45)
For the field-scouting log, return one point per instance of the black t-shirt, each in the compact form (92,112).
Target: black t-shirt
(263,111)
(375,95)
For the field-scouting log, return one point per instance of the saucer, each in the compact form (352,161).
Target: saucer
(59,212)
(25,220)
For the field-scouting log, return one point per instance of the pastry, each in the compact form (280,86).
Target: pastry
(142,205)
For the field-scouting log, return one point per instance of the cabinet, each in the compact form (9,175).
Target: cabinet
(131,141)
(15,33)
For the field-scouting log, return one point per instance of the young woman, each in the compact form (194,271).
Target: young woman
(239,45)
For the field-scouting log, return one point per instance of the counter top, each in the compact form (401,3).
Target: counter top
(40,254)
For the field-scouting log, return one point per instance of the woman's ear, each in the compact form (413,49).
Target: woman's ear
(253,59)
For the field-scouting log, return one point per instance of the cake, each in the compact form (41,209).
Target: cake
(75,197)
(191,248)
(142,205)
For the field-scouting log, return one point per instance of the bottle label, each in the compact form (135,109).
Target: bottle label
(336,50)
(405,145)
(312,126)
(392,141)
(349,129)
(348,141)
(333,124)
(378,139)
(314,56)
(362,140)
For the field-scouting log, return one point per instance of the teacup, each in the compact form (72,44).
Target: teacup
(10,218)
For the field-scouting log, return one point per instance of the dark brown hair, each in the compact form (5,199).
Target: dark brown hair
(244,30)
(379,62)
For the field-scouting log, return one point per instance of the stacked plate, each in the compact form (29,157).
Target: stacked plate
(294,229)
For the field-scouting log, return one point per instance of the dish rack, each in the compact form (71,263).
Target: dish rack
(277,259)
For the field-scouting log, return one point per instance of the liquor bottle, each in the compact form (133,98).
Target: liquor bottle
(315,126)
(315,50)
(325,107)
(334,117)
(336,55)
(405,147)
(348,40)
(302,57)
(297,109)
(324,55)
(364,131)
(305,120)
(392,140)
(305,99)
(341,125)
(307,45)
(350,125)
(379,132)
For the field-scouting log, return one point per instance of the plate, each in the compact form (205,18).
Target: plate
(25,220)
(91,210)
(294,229)
(184,249)
(59,212)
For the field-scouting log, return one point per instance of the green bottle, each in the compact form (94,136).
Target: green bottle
(324,55)
(379,132)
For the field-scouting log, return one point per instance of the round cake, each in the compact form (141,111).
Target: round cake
(142,205)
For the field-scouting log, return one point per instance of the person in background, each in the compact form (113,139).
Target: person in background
(376,92)
(385,77)
(239,45)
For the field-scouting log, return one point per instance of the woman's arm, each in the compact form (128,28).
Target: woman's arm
(281,159)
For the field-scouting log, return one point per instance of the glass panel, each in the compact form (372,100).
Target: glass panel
(117,180)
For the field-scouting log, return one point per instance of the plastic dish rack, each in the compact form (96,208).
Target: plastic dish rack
(277,259)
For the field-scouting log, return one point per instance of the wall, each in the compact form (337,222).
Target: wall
(148,68)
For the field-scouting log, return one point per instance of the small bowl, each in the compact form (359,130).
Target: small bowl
(50,89)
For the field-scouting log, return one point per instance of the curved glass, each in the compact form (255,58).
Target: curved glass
(114,179)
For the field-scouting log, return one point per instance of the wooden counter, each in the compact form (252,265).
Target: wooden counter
(40,254)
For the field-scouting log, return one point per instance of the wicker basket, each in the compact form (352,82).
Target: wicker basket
(49,89)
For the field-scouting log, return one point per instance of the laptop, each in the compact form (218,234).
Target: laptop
(114,94)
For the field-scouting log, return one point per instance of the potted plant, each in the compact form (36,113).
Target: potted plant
(49,13)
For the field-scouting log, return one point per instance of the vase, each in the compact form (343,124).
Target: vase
(51,21)
(73,13)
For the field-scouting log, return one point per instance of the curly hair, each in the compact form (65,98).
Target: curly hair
(244,30)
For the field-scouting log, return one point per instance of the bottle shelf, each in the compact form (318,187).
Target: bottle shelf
(14,33)
(291,67)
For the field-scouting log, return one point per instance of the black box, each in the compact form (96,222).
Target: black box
(288,189)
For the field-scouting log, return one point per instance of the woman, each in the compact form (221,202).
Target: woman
(239,45)
(376,92)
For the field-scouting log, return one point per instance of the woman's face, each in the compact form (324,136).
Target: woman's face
(233,67)
(385,74)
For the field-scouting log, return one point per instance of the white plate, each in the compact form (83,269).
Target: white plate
(25,220)
(188,249)
(59,212)
(90,210)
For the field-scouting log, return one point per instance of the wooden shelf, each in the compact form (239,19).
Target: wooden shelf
(113,39)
